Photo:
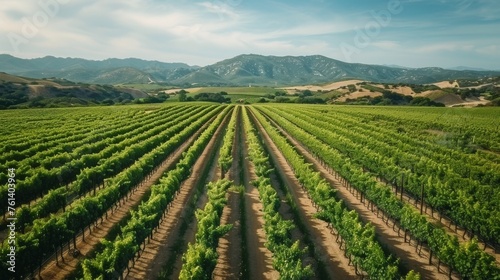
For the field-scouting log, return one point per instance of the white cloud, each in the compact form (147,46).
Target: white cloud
(206,31)
(222,10)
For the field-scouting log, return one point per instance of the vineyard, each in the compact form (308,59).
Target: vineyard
(282,191)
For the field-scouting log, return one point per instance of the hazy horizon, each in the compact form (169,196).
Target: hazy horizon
(411,33)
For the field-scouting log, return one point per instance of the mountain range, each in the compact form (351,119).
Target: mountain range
(240,70)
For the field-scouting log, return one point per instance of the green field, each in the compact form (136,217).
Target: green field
(253,91)
(236,94)
(398,190)
(146,87)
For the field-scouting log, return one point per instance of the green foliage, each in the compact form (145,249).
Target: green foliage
(149,215)
(310,100)
(282,99)
(201,257)
(12,94)
(361,246)
(198,262)
(334,139)
(88,164)
(412,275)
(48,234)
(306,93)
(287,255)
(372,88)
(351,88)
(423,101)
(225,155)
(212,97)
(392,98)
(182,96)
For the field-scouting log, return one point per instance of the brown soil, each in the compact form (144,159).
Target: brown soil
(229,250)
(260,258)
(394,241)
(286,212)
(446,84)
(160,249)
(449,99)
(327,250)
(359,94)
(52,270)
(400,89)
(189,236)
(36,90)
(331,86)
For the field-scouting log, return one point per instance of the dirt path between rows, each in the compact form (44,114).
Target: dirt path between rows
(189,236)
(229,250)
(229,264)
(52,270)
(70,200)
(160,249)
(260,258)
(436,218)
(327,250)
(404,251)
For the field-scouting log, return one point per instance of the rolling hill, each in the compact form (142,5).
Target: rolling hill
(296,70)
(109,71)
(22,92)
(238,71)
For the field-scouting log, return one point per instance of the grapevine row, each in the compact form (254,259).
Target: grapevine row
(28,146)
(50,235)
(467,259)
(42,180)
(451,194)
(200,259)
(286,253)
(452,120)
(91,142)
(117,254)
(57,199)
(359,240)
(225,156)
(465,165)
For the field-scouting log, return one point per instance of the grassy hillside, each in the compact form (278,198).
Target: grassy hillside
(486,92)
(21,92)
(237,71)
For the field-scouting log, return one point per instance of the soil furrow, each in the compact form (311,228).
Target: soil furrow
(259,257)
(229,250)
(327,250)
(52,270)
(160,249)
(394,241)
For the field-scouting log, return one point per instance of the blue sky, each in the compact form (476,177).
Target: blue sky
(413,33)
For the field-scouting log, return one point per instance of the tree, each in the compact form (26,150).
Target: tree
(182,96)
(108,102)
(306,93)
